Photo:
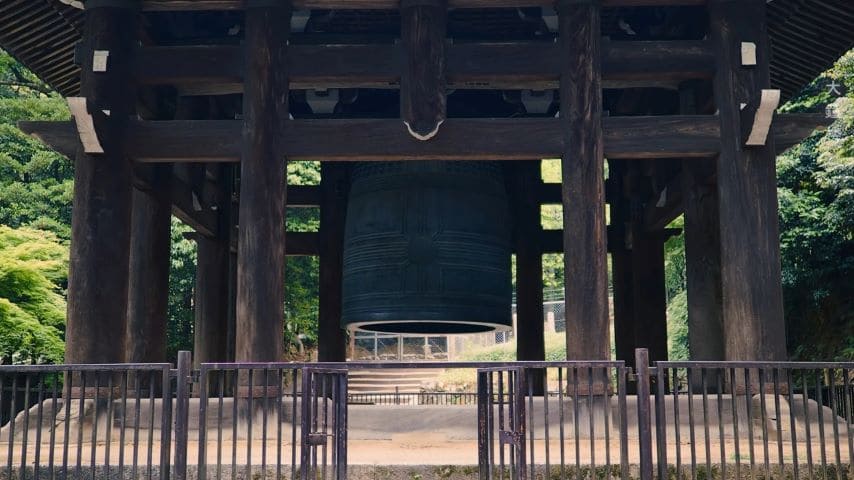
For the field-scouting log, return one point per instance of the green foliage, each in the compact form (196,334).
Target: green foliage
(816,195)
(35,182)
(677,298)
(677,327)
(33,267)
(302,282)
(182,280)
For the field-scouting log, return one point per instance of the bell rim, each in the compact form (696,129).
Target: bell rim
(475,327)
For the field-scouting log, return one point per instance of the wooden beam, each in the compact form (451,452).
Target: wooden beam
(536,65)
(422,84)
(583,170)
(203,220)
(549,193)
(792,128)
(196,5)
(304,196)
(302,244)
(657,214)
(461,139)
(261,236)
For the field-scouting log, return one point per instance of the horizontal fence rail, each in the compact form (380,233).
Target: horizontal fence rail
(528,420)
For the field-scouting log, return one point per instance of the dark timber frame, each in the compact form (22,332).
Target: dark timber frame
(220,159)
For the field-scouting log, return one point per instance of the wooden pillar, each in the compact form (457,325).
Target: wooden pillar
(332,339)
(261,242)
(648,291)
(422,84)
(584,229)
(148,289)
(754,328)
(525,178)
(101,220)
(702,262)
(210,340)
(621,265)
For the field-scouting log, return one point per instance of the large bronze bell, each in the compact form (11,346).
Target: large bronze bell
(427,248)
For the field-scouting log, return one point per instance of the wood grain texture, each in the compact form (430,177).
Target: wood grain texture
(261,233)
(207,68)
(703,261)
(211,300)
(750,239)
(462,139)
(101,224)
(148,284)
(422,83)
(650,299)
(582,160)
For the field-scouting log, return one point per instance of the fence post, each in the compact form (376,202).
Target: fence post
(644,422)
(182,405)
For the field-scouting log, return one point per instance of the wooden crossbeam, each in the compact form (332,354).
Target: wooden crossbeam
(219,68)
(197,5)
(460,139)
(300,196)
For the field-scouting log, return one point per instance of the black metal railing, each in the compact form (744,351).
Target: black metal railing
(689,420)
(64,420)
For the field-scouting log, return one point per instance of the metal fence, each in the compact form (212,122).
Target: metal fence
(697,420)
(70,421)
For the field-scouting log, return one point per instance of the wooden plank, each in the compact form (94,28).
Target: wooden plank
(752,294)
(196,5)
(422,83)
(583,171)
(481,65)
(261,236)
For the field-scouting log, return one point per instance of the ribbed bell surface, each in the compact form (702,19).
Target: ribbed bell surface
(427,248)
